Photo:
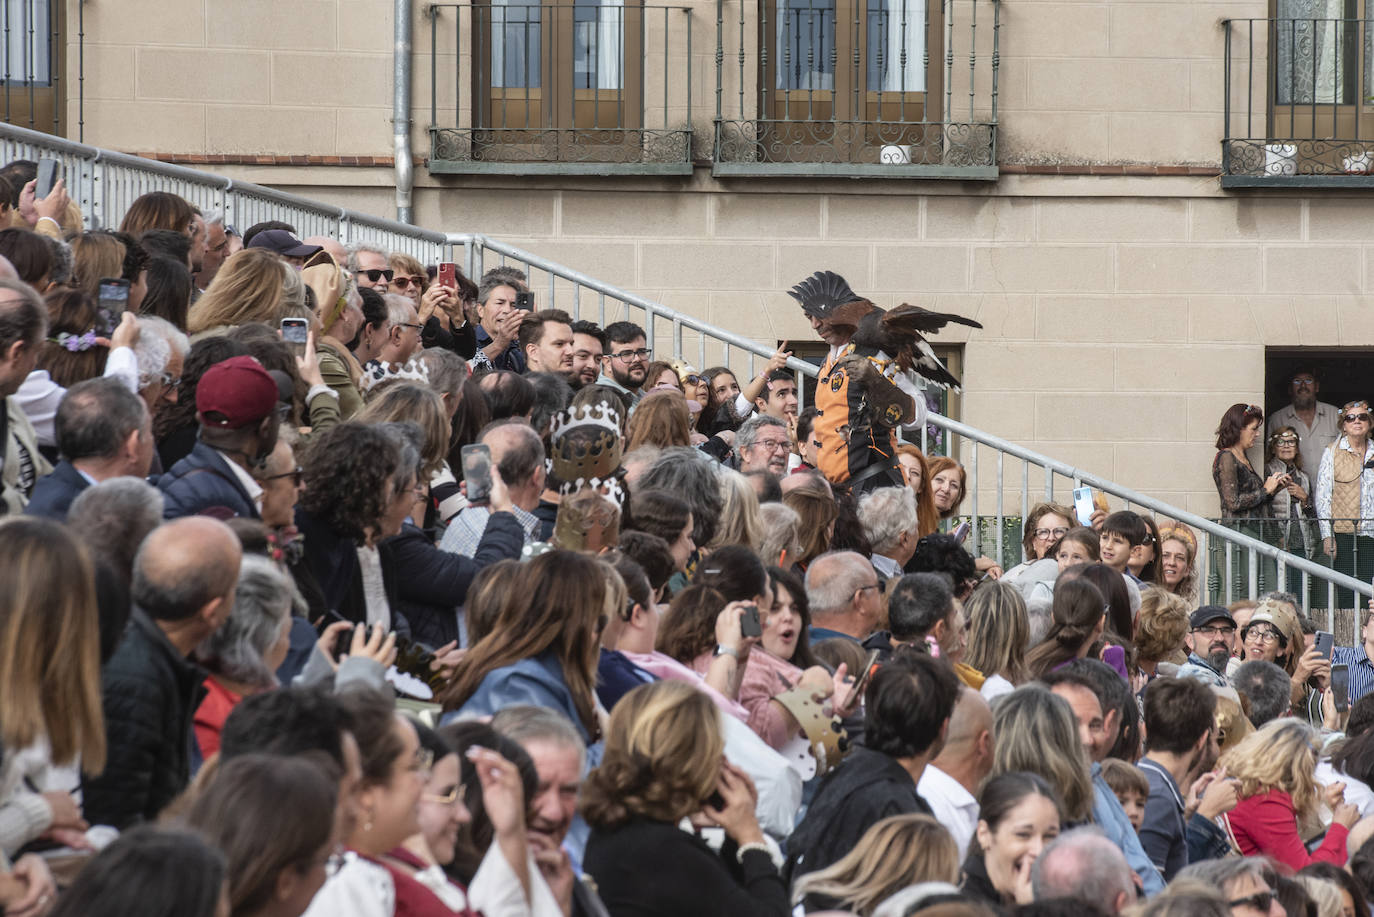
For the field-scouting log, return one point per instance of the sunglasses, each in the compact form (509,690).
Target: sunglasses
(376,274)
(402,283)
(1351,418)
(692,380)
(1260,901)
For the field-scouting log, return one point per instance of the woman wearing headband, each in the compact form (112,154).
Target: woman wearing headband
(1293,507)
(1345,498)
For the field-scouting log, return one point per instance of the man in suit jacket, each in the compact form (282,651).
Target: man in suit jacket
(103,431)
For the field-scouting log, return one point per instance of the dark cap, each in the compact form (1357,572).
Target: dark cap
(239,390)
(283,243)
(1211,613)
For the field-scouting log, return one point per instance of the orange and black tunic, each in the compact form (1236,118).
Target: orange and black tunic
(856,447)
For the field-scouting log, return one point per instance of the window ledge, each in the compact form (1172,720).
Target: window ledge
(1296,182)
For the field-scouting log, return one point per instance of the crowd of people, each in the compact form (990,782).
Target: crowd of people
(342,584)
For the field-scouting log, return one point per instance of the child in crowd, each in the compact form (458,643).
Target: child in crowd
(1131,787)
(1122,531)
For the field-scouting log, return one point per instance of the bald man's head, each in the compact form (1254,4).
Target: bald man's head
(971,718)
(7,271)
(184,566)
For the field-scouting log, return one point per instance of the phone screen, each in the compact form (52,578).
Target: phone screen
(296,332)
(1083,505)
(112,301)
(477,472)
(1340,686)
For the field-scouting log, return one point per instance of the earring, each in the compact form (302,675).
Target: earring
(367,825)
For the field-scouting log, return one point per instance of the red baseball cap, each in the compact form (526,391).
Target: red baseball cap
(239,390)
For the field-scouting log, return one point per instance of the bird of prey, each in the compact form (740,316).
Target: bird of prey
(897,332)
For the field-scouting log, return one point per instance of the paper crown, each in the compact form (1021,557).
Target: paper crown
(586,449)
(376,373)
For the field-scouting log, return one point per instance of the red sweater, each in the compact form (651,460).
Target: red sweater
(1267,824)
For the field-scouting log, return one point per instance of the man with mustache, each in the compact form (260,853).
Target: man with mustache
(1212,639)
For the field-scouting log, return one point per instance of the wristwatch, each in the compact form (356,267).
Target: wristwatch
(723,650)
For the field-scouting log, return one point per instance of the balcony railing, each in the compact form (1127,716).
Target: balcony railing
(560,88)
(882,88)
(1299,106)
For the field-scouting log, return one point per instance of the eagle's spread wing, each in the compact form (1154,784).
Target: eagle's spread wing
(898,333)
(827,296)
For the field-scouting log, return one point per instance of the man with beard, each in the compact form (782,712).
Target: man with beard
(1211,640)
(589,346)
(627,359)
(1317,423)
(1180,745)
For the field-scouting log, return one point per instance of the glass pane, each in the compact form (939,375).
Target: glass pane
(806,44)
(515,44)
(1312,61)
(27,35)
(598,44)
(896,45)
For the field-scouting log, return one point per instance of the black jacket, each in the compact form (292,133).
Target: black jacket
(867,787)
(332,560)
(431,584)
(654,869)
(203,484)
(54,493)
(150,692)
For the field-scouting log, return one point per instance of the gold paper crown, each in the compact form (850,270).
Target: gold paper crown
(591,458)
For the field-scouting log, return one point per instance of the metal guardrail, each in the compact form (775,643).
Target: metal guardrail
(1297,92)
(105,182)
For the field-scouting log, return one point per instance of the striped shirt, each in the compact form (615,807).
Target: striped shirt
(1361,669)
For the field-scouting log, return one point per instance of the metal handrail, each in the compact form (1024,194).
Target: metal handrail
(96,168)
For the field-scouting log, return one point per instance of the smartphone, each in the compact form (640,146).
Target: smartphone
(296,332)
(870,666)
(524,301)
(749,623)
(448,275)
(1083,505)
(476,460)
(1340,686)
(112,301)
(49,170)
(1323,643)
(961,531)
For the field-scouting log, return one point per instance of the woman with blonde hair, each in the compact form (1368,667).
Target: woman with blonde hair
(916,470)
(1037,732)
(418,404)
(998,632)
(253,286)
(896,852)
(1178,561)
(664,761)
(1275,767)
(50,701)
(739,522)
(661,420)
(1160,629)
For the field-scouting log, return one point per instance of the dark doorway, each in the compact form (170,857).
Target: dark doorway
(1342,374)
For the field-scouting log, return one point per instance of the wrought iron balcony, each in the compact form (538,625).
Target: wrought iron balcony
(882,88)
(1299,107)
(561,88)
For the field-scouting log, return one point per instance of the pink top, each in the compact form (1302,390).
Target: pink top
(765,677)
(666,667)
(1267,824)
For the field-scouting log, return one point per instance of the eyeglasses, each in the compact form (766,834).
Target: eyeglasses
(297,476)
(423,761)
(417,327)
(376,274)
(629,356)
(1224,631)
(419,491)
(1043,534)
(402,283)
(447,799)
(1304,383)
(1263,634)
(880,585)
(169,380)
(1260,901)
(1351,418)
(774,445)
